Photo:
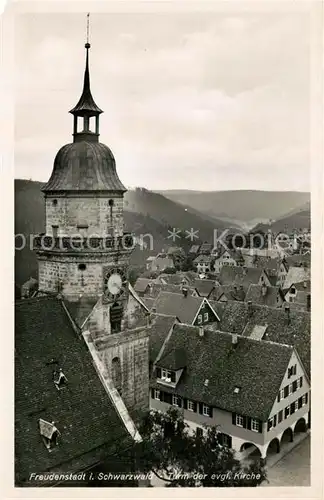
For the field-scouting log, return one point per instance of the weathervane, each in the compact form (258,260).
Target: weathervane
(87,45)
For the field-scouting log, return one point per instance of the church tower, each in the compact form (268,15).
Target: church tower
(85,250)
(84,256)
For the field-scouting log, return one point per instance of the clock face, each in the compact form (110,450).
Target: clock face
(115,283)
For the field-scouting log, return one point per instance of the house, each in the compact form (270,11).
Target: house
(256,393)
(205,249)
(179,278)
(243,276)
(149,262)
(143,286)
(251,255)
(298,295)
(177,254)
(203,263)
(271,296)
(203,288)
(226,257)
(224,293)
(299,260)
(194,249)
(296,275)
(161,262)
(57,387)
(188,309)
(284,325)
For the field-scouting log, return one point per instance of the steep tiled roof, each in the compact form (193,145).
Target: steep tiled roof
(160,327)
(272,293)
(257,367)
(239,275)
(202,258)
(238,317)
(141,284)
(204,287)
(299,260)
(296,275)
(82,411)
(231,292)
(194,249)
(174,304)
(149,302)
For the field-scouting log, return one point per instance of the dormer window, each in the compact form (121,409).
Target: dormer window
(166,376)
(293,290)
(49,433)
(60,379)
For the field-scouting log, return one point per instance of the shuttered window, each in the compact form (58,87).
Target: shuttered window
(280,416)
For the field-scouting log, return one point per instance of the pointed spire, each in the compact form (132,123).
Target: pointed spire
(86,105)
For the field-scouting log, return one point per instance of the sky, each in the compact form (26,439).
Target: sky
(201,101)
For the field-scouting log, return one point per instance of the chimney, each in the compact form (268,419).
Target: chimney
(234,340)
(185,291)
(250,308)
(287,309)
(264,289)
(308,302)
(201,331)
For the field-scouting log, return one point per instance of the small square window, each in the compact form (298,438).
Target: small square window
(191,406)
(176,401)
(157,394)
(282,393)
(255,425)
(239,420)
(206,411)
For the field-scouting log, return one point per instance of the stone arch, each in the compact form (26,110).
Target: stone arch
(253,449)
(116,373)
(273,446)
(287,436)
(300,426)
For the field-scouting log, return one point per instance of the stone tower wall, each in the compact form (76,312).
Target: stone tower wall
(68,213)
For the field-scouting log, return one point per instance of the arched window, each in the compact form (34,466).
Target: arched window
(116,374)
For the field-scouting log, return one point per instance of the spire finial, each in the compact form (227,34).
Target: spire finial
(87,45)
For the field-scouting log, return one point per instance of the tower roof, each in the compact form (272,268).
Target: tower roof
(86,105)
(84,166)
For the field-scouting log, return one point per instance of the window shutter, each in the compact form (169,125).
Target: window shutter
(306,398)
(230,441)
(301,382)
(269,425)
(260,426)
(295,369)
(244,422)
(211,412)
(185,403)
(286,389)
(294,386)
(300,402)
(200,408)
(195,407)
(292,408)
(280,417)
(249,423)
(275,421)
(234,418)
(173,377)
(158,372)
(278,398)
(152,393)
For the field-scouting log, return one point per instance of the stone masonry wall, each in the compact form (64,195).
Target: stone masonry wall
(69,213)
(132,349)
